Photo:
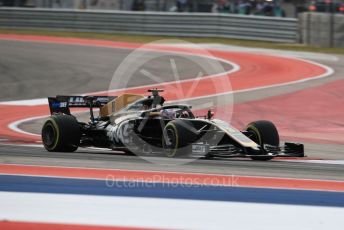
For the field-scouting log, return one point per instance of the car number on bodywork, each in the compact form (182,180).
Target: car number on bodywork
(200,149)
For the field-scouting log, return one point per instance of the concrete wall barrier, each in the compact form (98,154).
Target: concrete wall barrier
(322,29)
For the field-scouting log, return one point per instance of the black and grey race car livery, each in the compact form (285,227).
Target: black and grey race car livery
(141,125)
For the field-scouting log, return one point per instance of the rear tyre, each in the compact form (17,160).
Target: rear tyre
(61,133)
(263,132)
(177,135)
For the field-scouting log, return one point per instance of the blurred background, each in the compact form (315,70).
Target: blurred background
(283,58)
(276,8)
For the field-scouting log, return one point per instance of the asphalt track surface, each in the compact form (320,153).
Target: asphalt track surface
(29,69)
(95,158)
(35,70)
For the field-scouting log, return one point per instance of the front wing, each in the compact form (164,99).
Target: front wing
(226,151)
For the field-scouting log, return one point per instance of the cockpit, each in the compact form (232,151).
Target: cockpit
(154,104)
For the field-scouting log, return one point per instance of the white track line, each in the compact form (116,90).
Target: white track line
(29,102)
(289,53)
(329,71)
(15,125)
(333,162)
(164,213)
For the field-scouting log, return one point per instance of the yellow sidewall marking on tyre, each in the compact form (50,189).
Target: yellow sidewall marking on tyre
(257,133)
(173,153)
(57,133)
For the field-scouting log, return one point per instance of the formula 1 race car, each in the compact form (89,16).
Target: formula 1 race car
(141,125)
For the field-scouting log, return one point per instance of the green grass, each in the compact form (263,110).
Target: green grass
(146,38)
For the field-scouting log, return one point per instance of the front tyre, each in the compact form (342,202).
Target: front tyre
(263,132)
(61,133)
(177,135)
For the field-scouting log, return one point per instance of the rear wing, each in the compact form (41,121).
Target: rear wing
(62,104)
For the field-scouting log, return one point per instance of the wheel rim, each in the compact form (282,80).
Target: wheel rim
(49,135)
(170,141)
(253,136)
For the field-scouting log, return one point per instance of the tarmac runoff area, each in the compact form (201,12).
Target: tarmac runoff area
(100,189)
(91,64)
